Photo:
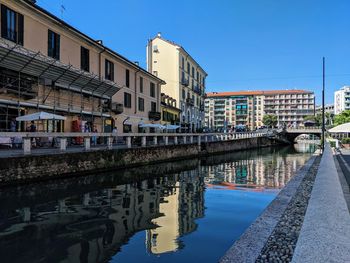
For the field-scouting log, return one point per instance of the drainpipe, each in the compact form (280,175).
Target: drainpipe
(100,62)
(138,70)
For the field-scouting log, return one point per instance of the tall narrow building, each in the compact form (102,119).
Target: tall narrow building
(184,77)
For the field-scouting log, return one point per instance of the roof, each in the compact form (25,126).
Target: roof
(179,47)
(256,93)
(89,39)
(343,128)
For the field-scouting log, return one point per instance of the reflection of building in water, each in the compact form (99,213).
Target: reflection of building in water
(272,172)
(86,228)
(179,211)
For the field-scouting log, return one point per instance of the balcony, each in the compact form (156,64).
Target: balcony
(196,89)
(154,115)
(117,108)
(190,102)
(185,81)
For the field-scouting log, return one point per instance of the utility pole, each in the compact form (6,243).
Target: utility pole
(323,116)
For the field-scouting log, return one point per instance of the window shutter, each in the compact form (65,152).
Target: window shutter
(49,44)
(112,71)
(3,21)
(58,38)
(20,29)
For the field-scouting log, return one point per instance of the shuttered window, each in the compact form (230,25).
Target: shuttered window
(127,78)
(12,25)
(141,104)
(109,70)
(53,45)
(84,59)
(127,100)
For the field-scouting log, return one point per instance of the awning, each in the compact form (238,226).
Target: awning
(343,128)
(171,127)
(18,58)
(151,125)
(40,116)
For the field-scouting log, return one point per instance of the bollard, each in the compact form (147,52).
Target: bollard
(27,144)
(185,139)
(155,141)
(166,140)
(110,143)
(87,143)
(143,142)
(63,144)
(128,142)
(175,140)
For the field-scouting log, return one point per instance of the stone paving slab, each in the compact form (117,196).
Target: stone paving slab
(248,247)
(325,234)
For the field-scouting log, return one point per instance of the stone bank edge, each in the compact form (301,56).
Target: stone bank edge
(248,247)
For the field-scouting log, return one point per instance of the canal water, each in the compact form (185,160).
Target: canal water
(186,211)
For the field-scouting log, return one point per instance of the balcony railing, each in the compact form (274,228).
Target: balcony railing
(189,101)
(185,81)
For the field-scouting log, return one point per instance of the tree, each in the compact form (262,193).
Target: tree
(270,120)
(316,119)
(343,117)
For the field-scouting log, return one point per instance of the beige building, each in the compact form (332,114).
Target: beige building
(184,77)
(47,65)
(224,110)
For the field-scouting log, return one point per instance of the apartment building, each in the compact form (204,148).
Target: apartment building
(342,100)
(184,77)
(224,110)
(48,65)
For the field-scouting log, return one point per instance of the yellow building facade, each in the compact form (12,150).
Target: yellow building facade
(48,65)
(184,77)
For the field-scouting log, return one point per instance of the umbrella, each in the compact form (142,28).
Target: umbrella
(171,127)
(40,116)
(151,125)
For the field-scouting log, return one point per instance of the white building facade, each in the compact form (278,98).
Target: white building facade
(342,100)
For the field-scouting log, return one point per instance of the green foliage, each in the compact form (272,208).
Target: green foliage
(345,141)
(270,120)
(342,118)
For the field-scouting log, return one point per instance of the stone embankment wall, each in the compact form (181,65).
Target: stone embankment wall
(31,168)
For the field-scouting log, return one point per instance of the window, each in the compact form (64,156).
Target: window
(12,25)
(109,70)
(183,63)
(153,106)
(192,71)
(127,78)
(141,104)
(183,94)
(141,84)
(84,59)
(153,90)
(53,45)
(188,67)
(127,100)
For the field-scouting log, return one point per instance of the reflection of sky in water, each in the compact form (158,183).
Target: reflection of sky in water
(227,215)
(193,213)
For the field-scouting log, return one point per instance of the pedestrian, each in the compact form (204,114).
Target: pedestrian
(13,125)
(115,134)
(94,138)
(32,127)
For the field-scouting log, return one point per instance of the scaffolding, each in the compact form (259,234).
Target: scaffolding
(32,80)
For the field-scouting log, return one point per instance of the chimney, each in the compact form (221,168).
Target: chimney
(137,63)
(159,35)
(99,42)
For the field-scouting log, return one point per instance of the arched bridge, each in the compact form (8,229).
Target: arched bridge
(292,133)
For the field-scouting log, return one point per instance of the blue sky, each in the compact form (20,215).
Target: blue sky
(242,44)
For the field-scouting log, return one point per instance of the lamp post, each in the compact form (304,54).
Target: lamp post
(323,115)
